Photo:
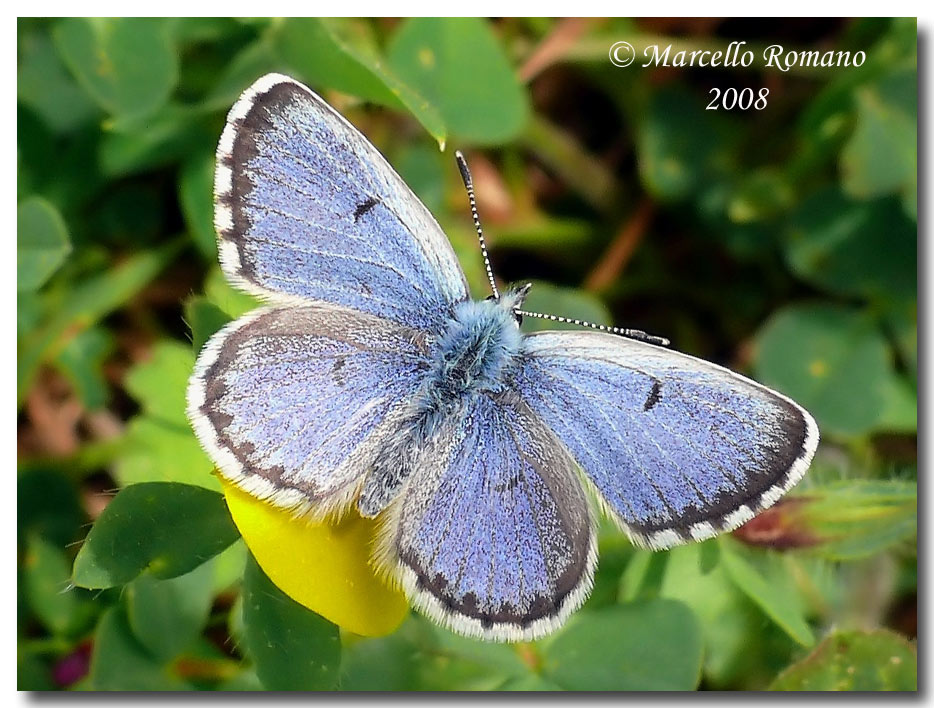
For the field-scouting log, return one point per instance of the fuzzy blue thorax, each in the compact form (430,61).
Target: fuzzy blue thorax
(476,351)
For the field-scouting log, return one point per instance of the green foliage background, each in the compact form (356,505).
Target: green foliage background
(780,242)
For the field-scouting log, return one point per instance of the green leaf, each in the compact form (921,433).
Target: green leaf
(65,171)
(531,682)
(832,360)
(196,196)
(82,362)
(633,577)
(380,664)
(120,663)
(204,318)
(565,302)
(227,566)
(709,555)
(761,195)
(458,65)
(42,243)
(47,505)
(166,528)
(159,445)
(781,606)
(880,660)
(650,645)
(726,617)
(865,249)
(235,626)
(43,84)
(500,658)
(679,146)
(154,450)
(319,50)
(341,54)
(246,680)
(643,576)
(616,554)
(251,62)
(159,384)
(135,145)
(32,674)
(881,156)
(230,300)
(900,411)
(421,166)
(853,519)
(29,309)
(127,65)
(47,577)
(292,648)
(87,303)
(194,30)
(901,319)
(166,616)
(445,661)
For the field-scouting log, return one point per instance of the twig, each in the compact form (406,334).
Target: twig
(554,47)
(620,251)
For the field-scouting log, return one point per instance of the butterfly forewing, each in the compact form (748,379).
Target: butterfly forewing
(678,448)
(307,207)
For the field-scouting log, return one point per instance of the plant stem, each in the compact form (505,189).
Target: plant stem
(621,249)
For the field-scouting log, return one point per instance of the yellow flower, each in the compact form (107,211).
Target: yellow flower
(323,566)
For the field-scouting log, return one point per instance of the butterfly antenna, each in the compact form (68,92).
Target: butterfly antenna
(468,183)
(636,334)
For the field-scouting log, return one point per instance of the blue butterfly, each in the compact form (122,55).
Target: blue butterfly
(371,378)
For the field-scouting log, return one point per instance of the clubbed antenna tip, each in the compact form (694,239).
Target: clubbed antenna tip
(636,334)
(465,172)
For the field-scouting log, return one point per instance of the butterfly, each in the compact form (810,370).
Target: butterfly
(370,378)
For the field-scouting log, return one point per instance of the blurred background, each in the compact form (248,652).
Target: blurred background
(781,242)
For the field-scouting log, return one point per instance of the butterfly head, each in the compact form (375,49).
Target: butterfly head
(512,300)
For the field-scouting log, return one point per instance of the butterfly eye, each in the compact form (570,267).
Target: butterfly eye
(490,297)
(517,316)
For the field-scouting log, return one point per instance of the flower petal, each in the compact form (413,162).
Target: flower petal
(323,566)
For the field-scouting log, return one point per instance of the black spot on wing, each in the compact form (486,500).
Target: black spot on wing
(337,371)
(364,207)
(654,396)
(507,486)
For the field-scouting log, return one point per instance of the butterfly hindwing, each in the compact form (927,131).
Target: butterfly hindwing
(492,534)
(679,449)
(307,207)
(294,403)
